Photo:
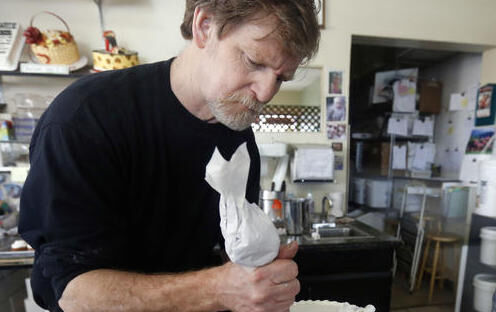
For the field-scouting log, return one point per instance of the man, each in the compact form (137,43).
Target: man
(115,203)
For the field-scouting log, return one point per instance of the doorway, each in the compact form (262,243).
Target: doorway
(455,69)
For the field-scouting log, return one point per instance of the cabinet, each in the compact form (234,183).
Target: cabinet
(357,275)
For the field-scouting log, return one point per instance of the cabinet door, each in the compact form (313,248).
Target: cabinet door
(356,288)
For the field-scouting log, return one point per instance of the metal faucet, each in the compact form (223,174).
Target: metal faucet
(324,215)
(323,212)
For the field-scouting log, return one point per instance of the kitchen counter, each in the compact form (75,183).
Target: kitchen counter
(14,259)
(355,268)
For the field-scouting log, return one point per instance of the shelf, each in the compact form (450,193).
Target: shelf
(432,179)
(75,74)
(14,142)
(385,177)
(313,181)
(397,139)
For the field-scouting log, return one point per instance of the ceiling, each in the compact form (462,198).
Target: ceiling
(369,59)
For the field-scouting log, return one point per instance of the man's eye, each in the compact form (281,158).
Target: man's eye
(252,63)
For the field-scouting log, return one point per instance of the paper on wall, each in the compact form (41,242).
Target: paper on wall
(313,164)
(424,156)
(424,128)
(398,126)
(399,157)
(251,238)
(455,103)
(469,171)
(452,163)
(404,92)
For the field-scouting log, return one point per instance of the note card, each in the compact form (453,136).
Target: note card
(423,127)
(399,157)
(398,126)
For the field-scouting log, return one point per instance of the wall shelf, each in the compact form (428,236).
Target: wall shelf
(75,74)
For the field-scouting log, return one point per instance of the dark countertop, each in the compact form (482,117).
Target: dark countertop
(372,239)
(368,238)
(14,259)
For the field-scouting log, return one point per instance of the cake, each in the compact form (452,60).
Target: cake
(19,245)
(113,57)
(328,306)
(52,46)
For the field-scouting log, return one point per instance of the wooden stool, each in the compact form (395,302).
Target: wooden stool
(437,268)
(433,223)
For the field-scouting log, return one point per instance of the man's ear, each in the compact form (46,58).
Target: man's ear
(202,27)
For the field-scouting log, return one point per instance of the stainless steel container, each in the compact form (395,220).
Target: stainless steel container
(297,216)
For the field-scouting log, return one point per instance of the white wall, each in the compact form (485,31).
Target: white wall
(453,127)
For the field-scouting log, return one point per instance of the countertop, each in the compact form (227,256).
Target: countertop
(373,240)
(10,259)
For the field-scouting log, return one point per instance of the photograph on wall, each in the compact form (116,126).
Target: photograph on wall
(481,141)
(336,131)
(335,82)
(337,146)
(484,102)
(384,81)
(336,108)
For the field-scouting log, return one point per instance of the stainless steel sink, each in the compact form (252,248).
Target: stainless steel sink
(340,232)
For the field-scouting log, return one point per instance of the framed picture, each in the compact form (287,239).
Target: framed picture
(336,131)
(321,13)
(337,146)
(335,108)
(485,112)
(335,82)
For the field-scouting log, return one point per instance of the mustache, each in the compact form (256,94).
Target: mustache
(246,100)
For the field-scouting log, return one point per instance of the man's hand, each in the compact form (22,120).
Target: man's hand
(272,287)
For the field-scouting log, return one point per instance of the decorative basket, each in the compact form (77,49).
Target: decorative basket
(52,46)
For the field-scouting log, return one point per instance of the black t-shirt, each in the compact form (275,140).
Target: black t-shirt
(117,181)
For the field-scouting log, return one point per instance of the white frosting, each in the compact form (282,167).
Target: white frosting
(328,306)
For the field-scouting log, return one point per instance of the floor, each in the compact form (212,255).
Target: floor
(404,301)
(13,290)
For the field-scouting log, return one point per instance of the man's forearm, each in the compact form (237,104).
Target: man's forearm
(269,288)
(109,290)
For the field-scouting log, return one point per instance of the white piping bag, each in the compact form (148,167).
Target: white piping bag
(251,238)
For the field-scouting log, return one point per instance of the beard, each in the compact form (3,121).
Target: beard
(228,112)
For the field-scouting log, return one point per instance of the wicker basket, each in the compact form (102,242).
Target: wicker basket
(54,46)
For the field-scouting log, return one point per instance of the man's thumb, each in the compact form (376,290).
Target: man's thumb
(288,251)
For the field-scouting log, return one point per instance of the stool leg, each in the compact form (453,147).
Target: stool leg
(457,253)
(441,267)
(424,263)
(434,271)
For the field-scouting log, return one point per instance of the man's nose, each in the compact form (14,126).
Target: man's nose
(265,87)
